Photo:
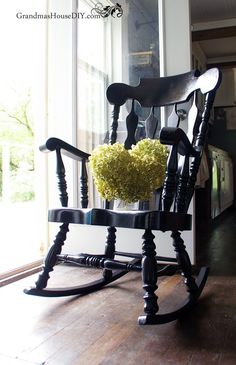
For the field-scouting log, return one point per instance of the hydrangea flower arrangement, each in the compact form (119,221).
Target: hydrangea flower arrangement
(129,175)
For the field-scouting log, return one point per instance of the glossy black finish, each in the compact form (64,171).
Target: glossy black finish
(186,306)
(164,90)
(76,290)
(171,214)
(53,144)
(160,220)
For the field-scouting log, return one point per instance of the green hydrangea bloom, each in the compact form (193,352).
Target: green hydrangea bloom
(129,175)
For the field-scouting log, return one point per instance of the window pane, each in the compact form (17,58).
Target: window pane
(92,78)
(143,40)
(121,44)
(21,74)
(141,60)
(91,37)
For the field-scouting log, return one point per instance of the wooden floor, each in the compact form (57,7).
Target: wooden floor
(102,328)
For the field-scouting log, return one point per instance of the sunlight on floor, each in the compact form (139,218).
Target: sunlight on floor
(17,247)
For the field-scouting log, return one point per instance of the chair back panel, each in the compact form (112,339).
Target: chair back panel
(186,148)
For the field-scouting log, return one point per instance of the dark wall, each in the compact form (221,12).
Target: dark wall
(225,139)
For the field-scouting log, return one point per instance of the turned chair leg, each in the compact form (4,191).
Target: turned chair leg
(149,276)
(109,250)
(184,262)
(51,257)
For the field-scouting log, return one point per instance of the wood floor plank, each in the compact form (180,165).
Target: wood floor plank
(101,328)
(6,360)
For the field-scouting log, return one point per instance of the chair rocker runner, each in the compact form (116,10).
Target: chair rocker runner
(186,149)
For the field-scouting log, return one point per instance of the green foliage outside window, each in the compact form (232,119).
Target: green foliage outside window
(17,141)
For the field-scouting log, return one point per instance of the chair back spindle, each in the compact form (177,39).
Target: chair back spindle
(131,126)
(114,125)
(151,125)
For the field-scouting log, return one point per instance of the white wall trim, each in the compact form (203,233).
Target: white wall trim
(175,37)
(74,25)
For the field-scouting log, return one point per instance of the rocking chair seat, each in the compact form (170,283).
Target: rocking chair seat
(147,219)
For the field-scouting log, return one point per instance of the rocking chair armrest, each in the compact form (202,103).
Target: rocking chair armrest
(59,146)
(176,136)
(53,144)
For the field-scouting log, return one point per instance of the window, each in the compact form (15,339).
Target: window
(111,49)
(22,108)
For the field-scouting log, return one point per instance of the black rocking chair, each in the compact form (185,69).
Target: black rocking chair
(172,213)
